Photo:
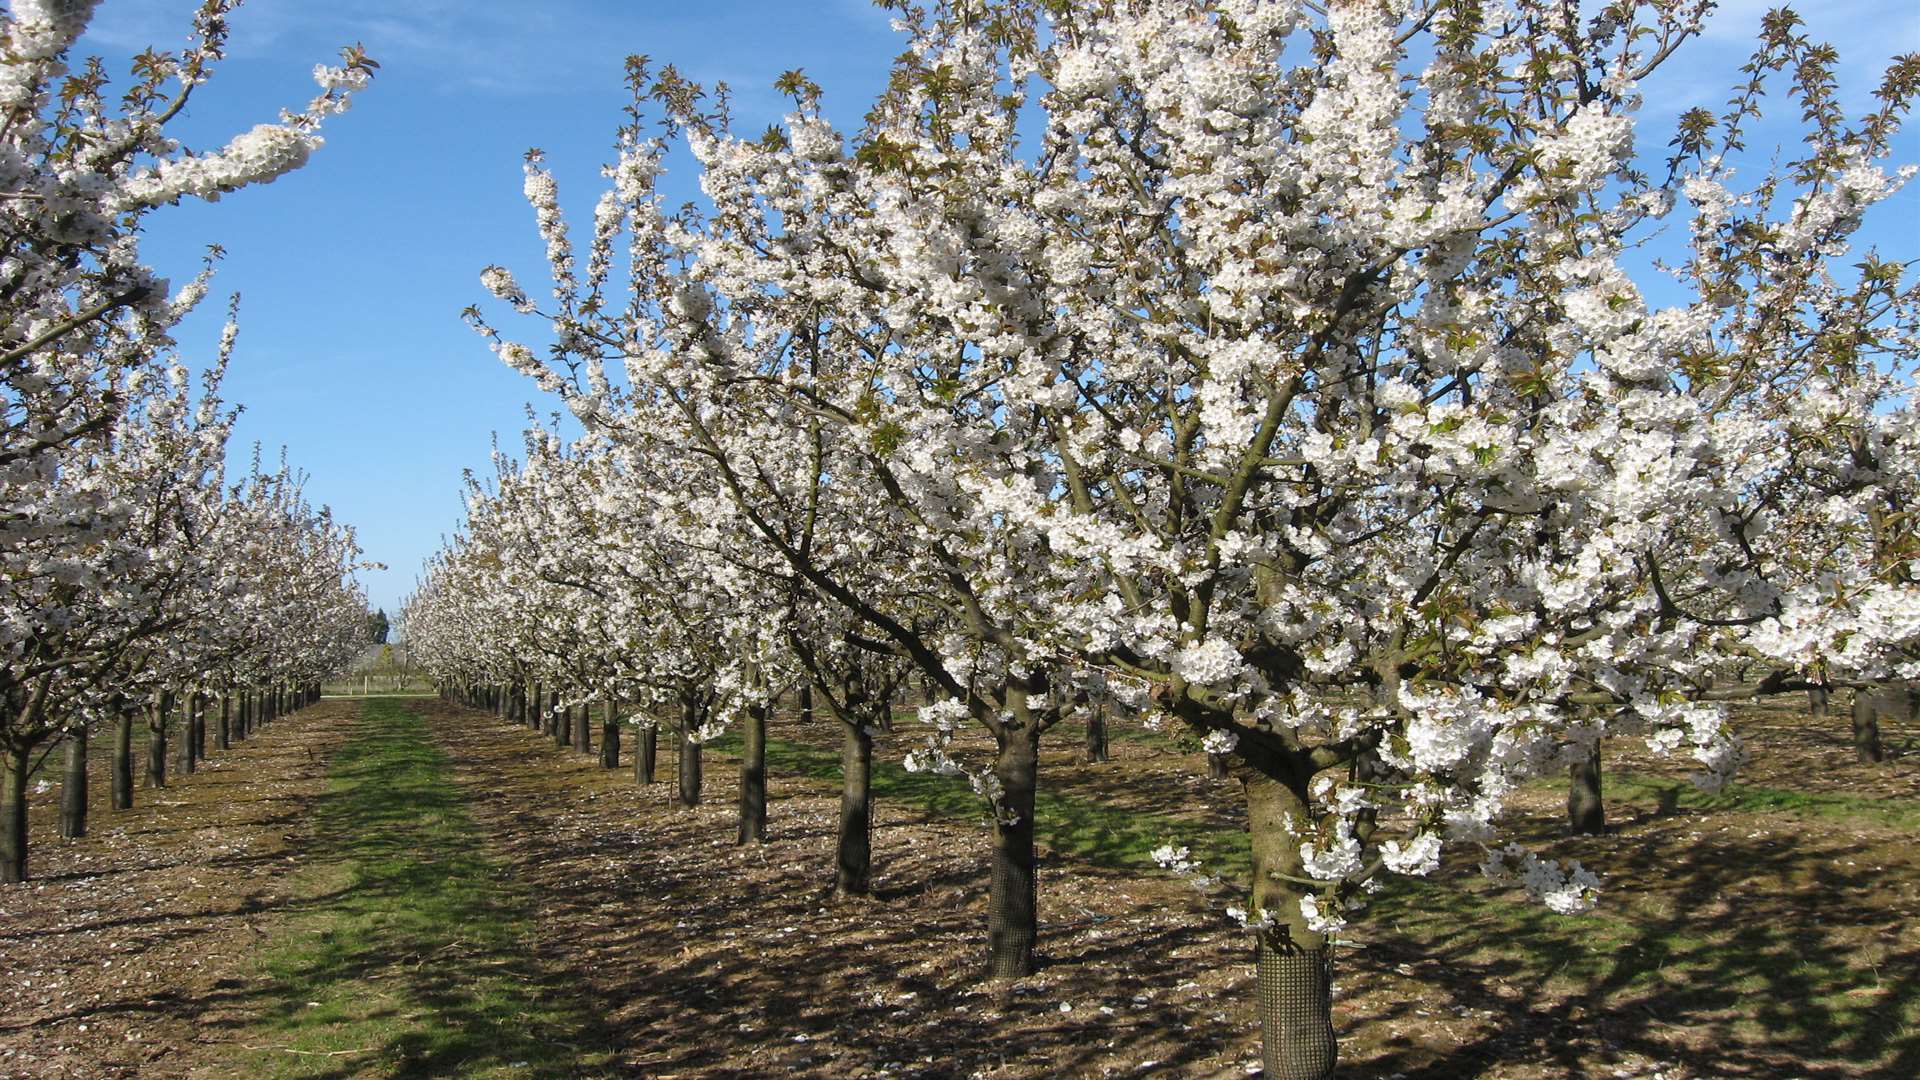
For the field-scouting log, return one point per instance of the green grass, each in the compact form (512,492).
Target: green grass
(407,954)
(1753,799)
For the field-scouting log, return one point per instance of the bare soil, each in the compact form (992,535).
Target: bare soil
(127,953)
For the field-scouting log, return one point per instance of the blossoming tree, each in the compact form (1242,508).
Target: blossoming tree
(108,471)
(1290,373)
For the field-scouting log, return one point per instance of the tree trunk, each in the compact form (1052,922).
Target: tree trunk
(158,721)
(13,817)
(223,735)
(1817,702)
(1868,705)
(1294,967)
(646,755)
(194,726)
(1217,766)
(610,735)
(853,862)
(582,722)
(123,761)
(73,786)
(806,704)
(1097,735)
(1586,813)
(688,792)
(537,714)
(1012,915)
(753,777)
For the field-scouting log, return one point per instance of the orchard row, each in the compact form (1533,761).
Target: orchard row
(1289,374)
(140,582)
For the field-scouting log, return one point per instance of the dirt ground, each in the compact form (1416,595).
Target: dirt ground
(126,954)
(723,961)
(1758,939)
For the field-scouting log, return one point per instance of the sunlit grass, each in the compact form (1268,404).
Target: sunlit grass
(407,955)
(1754,799)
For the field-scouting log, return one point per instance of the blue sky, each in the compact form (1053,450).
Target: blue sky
(354,270)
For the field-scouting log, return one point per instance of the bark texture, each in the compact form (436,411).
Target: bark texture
(159,720)
(123,761)
(13,816)
(1894,701)
(753,777)
(610,735)
(646,754)
(1097,750)
(73,786)
(853,860)
(1586,811)
(687,791)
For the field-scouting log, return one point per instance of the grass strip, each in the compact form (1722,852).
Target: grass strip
(405,955)
(1669,795)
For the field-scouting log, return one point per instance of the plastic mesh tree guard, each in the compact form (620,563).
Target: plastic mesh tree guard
(1296,1011)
